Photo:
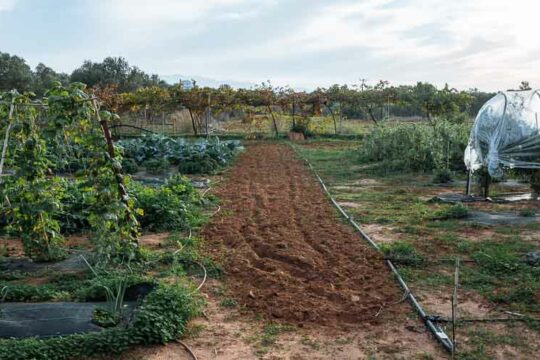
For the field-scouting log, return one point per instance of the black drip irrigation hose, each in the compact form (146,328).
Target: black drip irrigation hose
(481,320)
(432,326)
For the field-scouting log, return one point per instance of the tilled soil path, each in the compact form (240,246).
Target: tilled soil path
(287,254)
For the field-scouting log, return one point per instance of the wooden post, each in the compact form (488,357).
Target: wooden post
(468,186)
(208,116)
(269,108)
(293,112)
(117,172)
(486,184)
(340,118)
(110,150)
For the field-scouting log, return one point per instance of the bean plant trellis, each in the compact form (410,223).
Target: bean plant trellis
(67,118)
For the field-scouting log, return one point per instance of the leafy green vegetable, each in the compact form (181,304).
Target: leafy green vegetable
(204,156)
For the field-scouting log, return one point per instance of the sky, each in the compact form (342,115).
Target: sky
(486,44)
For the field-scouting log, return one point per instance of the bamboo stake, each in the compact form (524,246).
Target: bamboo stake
(110,149)
(454,308)
(6,138)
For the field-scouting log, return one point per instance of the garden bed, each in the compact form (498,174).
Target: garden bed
(288,256)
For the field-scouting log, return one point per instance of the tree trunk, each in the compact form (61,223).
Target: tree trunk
(273,120)
(193,123)
(206,120)
(372,116)
(163,122)
(430,120)
(293,114)
(333,119)
(428,115)
(208,116)
(340,118)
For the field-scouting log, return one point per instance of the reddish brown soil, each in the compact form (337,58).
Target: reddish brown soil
(287,255)
(13,246)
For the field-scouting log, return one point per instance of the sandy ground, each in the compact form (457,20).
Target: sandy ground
(235,334)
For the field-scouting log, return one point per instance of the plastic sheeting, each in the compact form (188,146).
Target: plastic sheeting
(20,320)
(506,134)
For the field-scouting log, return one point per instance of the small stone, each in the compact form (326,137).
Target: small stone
(355,298)
(251,294)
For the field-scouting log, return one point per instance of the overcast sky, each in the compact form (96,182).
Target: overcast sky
(488,44)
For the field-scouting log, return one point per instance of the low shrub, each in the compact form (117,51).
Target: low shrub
(442,176)
(198,163)
(156,166)
(174,205)
(416,147)
(129,166)
(163,315)
(455,211)
(302,126)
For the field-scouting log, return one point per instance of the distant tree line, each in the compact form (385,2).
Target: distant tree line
(124,87)
(15,73)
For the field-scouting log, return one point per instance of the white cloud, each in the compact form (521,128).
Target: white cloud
(481,43)
(7,5)
(134,24)
(489,44)
(143,12)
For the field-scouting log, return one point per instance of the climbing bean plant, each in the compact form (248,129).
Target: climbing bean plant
(67,118)
(32,196)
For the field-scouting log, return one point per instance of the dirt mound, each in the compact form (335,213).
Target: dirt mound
(287,255)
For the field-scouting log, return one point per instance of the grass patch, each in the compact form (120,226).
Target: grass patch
(481,340)
(229,303)
(402,253)
(269,335)
(527,212)
(454,211)
(500,274)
